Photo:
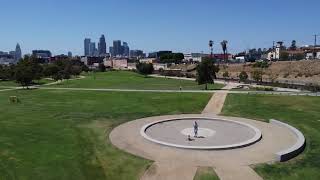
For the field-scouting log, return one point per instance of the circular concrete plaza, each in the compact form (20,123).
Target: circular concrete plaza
(213,133)
(276,138)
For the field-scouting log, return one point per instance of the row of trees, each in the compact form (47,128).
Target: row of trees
(172,58)
(29,69)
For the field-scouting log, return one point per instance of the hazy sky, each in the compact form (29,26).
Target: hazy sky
(178,25)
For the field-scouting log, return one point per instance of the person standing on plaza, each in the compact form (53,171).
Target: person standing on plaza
(195,128)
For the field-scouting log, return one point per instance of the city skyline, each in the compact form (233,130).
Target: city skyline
(186,29)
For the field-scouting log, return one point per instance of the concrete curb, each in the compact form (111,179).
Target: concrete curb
(257,137)
(294,150)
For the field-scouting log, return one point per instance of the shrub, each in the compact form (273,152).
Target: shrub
(14,99)
(145,68)
(243,76)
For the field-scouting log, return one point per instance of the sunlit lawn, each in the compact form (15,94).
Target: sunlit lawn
(132,80)
(301,112)
(57,135)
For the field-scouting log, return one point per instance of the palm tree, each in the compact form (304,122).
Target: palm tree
(224,48)
(211,48)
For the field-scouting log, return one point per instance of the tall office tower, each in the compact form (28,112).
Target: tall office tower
(102,46)
(126,49)
(18,53)
(111,51)
(92,49)
(70,54)
(87,43)
(117,48)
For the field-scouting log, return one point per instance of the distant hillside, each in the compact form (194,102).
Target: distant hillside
(300,72)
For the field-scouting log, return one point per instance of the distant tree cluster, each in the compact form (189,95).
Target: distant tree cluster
(285,56)
(145,68)
(7,72)
(172,58)
(29,69)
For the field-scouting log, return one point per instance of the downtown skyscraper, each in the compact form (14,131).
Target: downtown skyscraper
(18,53)
(102,45)
(125,49)
(117,48)
(87,43)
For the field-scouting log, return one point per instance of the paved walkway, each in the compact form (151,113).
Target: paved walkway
(178,91)
(235,84)
(216,103)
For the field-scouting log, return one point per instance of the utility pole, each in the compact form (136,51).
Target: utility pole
(274,51)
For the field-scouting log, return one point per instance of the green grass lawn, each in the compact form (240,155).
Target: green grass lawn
(131,80)
(2,88)
(300,111)
(63,135)
(204,173)
(4,84)
(8,83)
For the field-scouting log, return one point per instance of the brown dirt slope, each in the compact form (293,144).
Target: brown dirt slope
(301,72)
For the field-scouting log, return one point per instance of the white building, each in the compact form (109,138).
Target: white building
(240,59)
(148,60)
(195,57)
(158,66)
(275,54)
(309,55)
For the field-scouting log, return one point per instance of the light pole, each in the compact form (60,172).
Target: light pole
(314,47)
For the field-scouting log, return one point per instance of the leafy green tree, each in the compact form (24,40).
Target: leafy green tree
(37,69)
(206,72)
(85,68)
(257,75)
(284,56)
(172,58)
(76,70)
(243,76)
(7,72)
(293,45)
(262,64)
(50,70)
(225,74)
(145,68)
(102,68)
(24,74)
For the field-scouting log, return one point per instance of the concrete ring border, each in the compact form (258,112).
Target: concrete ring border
(256,138)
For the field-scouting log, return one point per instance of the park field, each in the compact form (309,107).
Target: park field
(56,134)
(8,84)
(4,84)
(300,112)
(132,80)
